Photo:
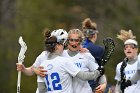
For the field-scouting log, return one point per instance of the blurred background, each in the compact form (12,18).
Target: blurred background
(28,18)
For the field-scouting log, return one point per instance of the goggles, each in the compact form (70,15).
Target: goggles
(74,40)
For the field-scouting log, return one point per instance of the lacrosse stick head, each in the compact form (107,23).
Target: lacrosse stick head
(109,49)
(109,43)
(23,49)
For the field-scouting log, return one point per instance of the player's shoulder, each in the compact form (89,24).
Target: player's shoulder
(87,55)
(43,53)
(64,61)
(139,57)
(60,58)
(119,65)
(42,56)
(64,52)
(44,62)
(96,47)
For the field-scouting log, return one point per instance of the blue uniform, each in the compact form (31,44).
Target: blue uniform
(97,52)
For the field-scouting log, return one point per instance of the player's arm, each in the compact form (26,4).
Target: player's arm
(100,88)
(90,75)
(27,71)
(83,50)
(118,78)
(103,83)
(39,71)
(71,68)
(102,80)
(136,77)
(117,87)
(42,87)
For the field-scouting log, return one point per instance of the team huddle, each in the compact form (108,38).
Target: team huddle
(70,62)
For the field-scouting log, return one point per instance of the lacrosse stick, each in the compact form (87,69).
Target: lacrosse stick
(123,76)
(21,57)
(109,49)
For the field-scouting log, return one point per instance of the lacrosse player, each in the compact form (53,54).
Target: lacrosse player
(84,61)
(90,32)
(130,65)
(60,70)
(29,71)
(43,56)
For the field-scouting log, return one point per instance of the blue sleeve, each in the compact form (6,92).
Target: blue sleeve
(96,51)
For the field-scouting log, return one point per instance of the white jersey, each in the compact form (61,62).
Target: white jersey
(60,71)
(43,56)
(138,61)
(129,70)
(86,62)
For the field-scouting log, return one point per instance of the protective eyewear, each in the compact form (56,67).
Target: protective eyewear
(72,40)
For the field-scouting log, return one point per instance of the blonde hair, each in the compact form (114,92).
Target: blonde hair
(125,35)
(76,31)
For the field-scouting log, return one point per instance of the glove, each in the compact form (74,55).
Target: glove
(125,84)
(101,70)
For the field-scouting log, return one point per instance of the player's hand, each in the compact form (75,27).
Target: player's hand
(20,67)
(100,88)
(101,70)
(125,84)
(40,71)
(83,50)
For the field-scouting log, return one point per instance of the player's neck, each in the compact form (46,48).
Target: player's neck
(72,53)
(93,40)
(132,61)
(53,55)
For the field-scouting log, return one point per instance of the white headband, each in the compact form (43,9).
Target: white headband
(130,41)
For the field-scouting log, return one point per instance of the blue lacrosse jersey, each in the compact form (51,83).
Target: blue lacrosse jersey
(95,50)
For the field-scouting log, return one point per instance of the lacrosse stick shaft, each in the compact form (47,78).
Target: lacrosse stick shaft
(18,82)
(20,60)
(109,49)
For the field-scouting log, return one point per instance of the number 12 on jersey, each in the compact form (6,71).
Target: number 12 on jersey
(53,83)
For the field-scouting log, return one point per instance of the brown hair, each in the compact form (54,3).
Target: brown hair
(50,41)
(88,24)
(89,28)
